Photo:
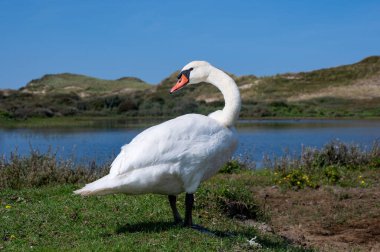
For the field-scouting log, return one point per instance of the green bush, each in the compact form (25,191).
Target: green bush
(295,179)
(332,173)
(5,114)
(336,163)
(232,166)
(375,162)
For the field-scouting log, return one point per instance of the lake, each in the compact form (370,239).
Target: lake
(257,138)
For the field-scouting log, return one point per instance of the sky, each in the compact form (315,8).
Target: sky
(152,39)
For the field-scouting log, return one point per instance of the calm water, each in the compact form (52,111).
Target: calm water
(257,138)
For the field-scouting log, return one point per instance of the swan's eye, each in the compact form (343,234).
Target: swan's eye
(185,72)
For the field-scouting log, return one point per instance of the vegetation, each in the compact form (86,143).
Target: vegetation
(38,209)
(344,91)
(335,164)
(67,83)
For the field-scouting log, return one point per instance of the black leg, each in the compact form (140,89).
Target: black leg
(173,205)
(189,202)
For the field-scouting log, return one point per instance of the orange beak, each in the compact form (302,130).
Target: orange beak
(180,83)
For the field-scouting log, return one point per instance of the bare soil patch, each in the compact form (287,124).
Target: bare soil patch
(328,219)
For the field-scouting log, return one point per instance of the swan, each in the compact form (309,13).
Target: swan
(177,155)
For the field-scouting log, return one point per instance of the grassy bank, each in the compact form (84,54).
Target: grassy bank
(111,121)
(120,121)
(297,203)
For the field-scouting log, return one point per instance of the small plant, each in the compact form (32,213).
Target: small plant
(375,162)
(362,182)
(295,179)
(332,174)
(5,114)
(232,166)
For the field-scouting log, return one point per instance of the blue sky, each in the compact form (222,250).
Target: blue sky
(151,39)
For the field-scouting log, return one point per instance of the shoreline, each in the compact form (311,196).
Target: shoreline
(116,121)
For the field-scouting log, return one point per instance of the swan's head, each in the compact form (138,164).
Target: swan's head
(192,73)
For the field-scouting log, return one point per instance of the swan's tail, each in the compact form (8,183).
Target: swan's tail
(101,186)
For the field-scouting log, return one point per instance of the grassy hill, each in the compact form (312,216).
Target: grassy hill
(82,85)
(315,84)
(349,90)
(343,91)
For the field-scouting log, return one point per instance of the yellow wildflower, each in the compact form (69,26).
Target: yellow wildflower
(298,183)
(362,182)
(8,206)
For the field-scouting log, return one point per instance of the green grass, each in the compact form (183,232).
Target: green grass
(110,121)
(52,218)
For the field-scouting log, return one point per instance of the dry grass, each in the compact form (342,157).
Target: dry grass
(45,169)
(359,90)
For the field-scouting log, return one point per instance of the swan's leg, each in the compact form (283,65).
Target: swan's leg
(173,205)
(189,202)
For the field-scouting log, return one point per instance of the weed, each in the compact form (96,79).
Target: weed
(336,163)
(295,179)
(233,166)
(332,173)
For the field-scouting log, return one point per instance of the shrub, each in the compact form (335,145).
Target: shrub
(332,173)
(232,166)
(5,114)
(375,163)
(336,163)
(127,105)
(295,179)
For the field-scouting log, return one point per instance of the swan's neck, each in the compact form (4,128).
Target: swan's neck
(231,94)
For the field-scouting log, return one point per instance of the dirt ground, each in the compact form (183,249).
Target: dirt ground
(328,219)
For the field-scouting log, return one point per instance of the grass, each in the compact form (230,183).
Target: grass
(52,218)
(66,83)
(110,121)
(38,209)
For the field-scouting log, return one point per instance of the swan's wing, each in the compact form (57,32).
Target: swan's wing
(187,139)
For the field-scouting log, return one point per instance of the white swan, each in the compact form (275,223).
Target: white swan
(177,155)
